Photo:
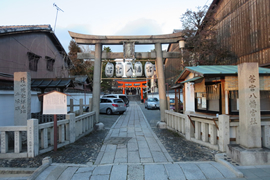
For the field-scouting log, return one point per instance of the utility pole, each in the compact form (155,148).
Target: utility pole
(58,9)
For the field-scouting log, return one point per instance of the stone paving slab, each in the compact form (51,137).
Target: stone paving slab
(141,171)
(142,147)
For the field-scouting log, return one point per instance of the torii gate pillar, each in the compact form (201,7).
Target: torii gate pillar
(161,87)
(96,84)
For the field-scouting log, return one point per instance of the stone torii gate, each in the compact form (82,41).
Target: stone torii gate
(128,43)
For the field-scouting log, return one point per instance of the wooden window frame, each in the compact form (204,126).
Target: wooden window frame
(33,61)
(50,63)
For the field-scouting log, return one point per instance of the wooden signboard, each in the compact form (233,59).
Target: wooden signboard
(55,103)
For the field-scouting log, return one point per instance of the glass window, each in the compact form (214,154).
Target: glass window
(103,100)
(234,101)
(118,101)
(108,101)
(172,101)
(201,101)
(210,100)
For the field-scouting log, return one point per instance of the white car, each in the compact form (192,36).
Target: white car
(151,103)
(112,105)
(121,96)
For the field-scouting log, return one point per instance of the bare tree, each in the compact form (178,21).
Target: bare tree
(199,29)
(80,66)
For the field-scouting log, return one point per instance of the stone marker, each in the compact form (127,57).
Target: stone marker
(22,98)
(249,105)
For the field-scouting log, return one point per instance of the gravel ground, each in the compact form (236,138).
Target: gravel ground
(82,151)
(177,146)
(87,148)
(181,149)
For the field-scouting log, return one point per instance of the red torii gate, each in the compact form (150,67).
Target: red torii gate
(133,84)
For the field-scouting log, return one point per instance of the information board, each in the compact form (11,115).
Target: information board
(55,103)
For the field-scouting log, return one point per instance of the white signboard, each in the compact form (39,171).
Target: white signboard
(55,103)
(203,102)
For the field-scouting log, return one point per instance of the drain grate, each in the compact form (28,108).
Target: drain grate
(117,140)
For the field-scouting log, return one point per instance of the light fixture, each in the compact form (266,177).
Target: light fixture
(181,44)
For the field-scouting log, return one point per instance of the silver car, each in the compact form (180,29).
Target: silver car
(112,105)
(151,103)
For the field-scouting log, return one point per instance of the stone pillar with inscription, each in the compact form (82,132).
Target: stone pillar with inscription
(32,138)
(249,105)
(22,98)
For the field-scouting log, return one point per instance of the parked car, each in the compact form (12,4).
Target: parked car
(151,103)
(112,105)
(172,103)
(121,96)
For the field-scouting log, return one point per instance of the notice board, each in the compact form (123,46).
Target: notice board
(55,103)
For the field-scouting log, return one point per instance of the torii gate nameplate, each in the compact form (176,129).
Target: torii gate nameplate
(129,50)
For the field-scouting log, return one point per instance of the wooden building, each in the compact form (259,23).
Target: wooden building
(243,26)
(33,49)
(172,66)
(212,90)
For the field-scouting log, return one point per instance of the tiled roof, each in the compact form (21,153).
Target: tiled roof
(216,70)
(20,28)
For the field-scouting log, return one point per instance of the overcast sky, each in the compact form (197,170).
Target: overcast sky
(100,17)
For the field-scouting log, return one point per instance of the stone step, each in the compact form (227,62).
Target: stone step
(147,171)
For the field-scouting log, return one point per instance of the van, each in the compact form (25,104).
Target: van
(121,96)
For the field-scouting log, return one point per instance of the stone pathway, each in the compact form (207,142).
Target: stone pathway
(139,143)
(132,151)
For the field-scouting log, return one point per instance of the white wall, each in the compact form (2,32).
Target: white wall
(7,104)
(76,99)
(7,107)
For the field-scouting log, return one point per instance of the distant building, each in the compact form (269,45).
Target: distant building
(33,48)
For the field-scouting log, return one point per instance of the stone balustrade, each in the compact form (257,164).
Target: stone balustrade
(176,121)
(265,129)
(213,132)
(40,137)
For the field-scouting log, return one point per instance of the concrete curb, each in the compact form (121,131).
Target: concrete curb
(219,159)
(46,162)
(17,170)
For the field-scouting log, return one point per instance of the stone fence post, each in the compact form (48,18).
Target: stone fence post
(168,103)
(224,132)
(72,129)
(189,127)
(71,106)
(81,106)
(266,136)
(90,104)
(32,138)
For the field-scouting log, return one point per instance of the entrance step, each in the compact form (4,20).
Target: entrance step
(147,171)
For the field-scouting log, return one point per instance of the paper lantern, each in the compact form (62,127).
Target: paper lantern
(109,70)
(119,71)
(129,69)
(138,69)
(149,69)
